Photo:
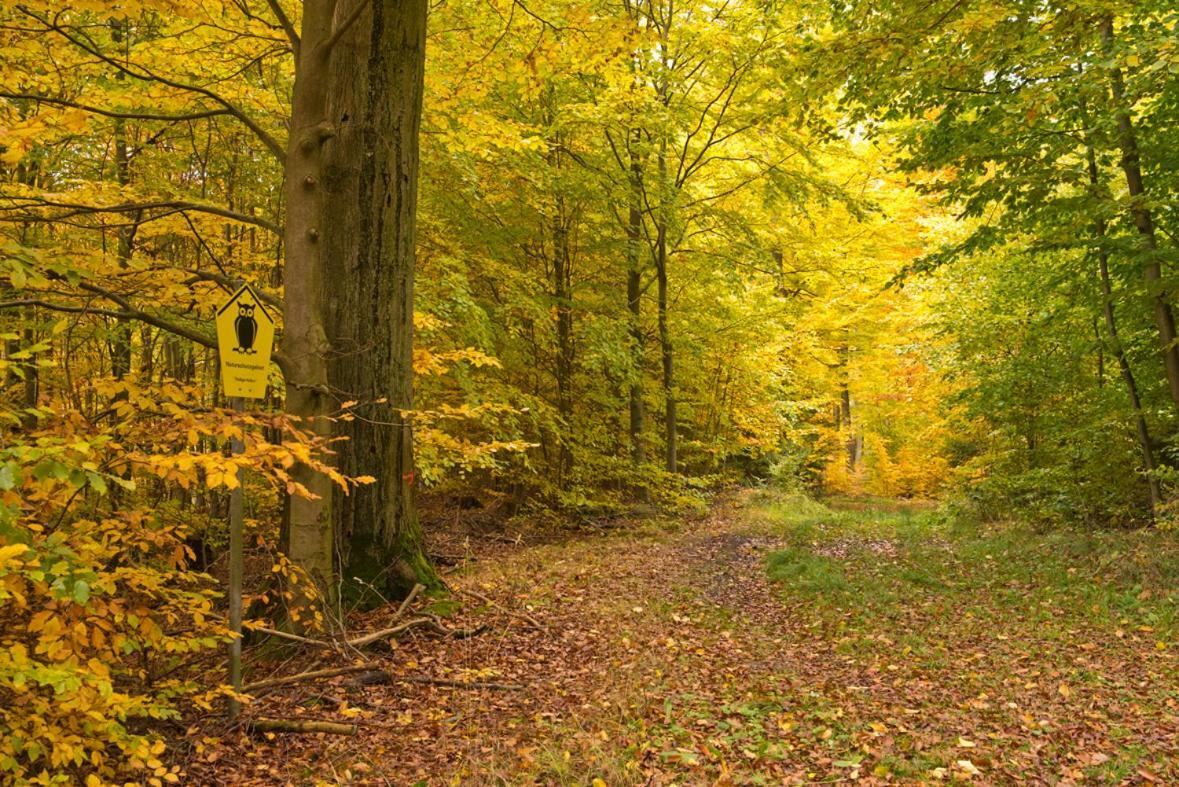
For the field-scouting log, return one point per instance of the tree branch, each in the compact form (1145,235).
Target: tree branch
(74,209)
(112,113)
(342,28)
(287,27)
(144,75)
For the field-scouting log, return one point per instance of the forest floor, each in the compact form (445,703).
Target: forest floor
(776,640)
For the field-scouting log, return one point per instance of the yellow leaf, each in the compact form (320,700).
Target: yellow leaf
(10,552)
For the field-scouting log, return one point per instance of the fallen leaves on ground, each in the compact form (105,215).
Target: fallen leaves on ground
(672,658)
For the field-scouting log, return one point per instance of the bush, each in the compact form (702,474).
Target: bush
(107,629)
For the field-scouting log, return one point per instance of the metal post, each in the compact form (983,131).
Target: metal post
(236,505)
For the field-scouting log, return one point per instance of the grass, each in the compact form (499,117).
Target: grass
(1077,626)
(806,571)
(1110,575)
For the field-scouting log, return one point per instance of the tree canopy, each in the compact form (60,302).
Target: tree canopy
(559,260)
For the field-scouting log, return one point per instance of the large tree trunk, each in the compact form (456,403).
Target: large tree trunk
(307,535)
(370,184)
(1143,219)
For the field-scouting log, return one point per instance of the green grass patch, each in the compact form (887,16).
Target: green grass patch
(887,559)
(806,571)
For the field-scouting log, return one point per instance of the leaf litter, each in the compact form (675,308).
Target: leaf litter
(675,657)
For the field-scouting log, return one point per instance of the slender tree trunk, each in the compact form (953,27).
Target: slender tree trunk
(125,234)
(1143,219)
(853,444)
(666,352)
(1111,326)
(634,302)
(563,292)
(562,260)
(671,428)
(308,530)
(370,185)
(125,239)
(1140,426)
(1100,353)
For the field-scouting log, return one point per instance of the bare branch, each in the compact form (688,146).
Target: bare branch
(112,113)
(287,27)
(342,28)
(74,209)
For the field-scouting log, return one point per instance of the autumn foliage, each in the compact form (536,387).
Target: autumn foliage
(639,251)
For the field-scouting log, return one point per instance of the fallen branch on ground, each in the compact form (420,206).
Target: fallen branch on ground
(318,643)
(301,725)
(270,683)
(526,618)
(372,637)
(461,684)
(384,677)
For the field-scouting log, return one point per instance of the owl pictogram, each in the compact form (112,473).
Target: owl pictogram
(246,328)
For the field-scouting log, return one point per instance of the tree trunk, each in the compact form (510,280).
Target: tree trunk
(1143,219)
(1140,426)
(125,234)
(308,527)
(563,296)
(121,345)
(845,410)
(563,292)
(370,181)
(1111,327)
(634,302)
(670,429)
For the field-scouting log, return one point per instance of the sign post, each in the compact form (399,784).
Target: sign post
(245,340)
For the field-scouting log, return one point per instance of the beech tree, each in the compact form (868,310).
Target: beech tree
(369,181)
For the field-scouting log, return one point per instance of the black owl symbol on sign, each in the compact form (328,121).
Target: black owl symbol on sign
(246,328)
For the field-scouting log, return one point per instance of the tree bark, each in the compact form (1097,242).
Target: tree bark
(854,442)
(1141,428)
(125,235)
(308,529)
(562,260)
(634,300)
(563,294)
(1143,219)
(666,350)
(370,181)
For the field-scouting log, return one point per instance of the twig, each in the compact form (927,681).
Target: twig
(372,637)
(408,600)
(522,616)
(319,643)
(312,675)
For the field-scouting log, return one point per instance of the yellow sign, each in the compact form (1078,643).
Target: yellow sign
(245,339)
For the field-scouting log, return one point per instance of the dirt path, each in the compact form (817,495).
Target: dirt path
(673,659)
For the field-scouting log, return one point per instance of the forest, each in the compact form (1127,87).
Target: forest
(589,392)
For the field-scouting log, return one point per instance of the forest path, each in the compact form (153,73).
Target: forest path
(773,641)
